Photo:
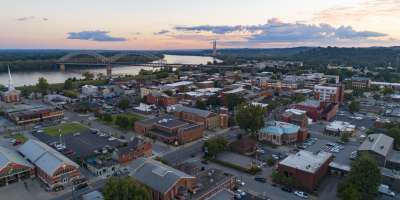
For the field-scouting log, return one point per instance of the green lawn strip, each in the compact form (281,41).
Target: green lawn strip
(251,171)
(67,128)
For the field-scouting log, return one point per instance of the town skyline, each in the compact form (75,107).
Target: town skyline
(154,24)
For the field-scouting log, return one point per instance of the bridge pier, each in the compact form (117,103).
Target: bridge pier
(109,71)
(62,67)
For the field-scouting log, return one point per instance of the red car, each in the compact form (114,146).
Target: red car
(17,142)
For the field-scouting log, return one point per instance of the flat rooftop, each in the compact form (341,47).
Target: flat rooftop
(306,160)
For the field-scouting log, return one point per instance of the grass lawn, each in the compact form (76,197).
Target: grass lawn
(20,137)
(67,128)
(131,117)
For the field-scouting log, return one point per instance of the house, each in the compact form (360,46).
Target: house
(52,167)
(165,182)
(307,168)
(13,167)
(282,133)
(160,99)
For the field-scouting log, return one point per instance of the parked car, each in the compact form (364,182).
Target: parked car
(385,190)
(260,179)
(287,189)
(301,194)
(241,192)
(275,157)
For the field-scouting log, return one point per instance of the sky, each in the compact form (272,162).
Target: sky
(193,24)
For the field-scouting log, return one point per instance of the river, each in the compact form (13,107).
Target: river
(31,78)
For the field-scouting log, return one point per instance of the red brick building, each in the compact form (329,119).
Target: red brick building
(169,130)
(208,119)
(52,167)
(165,182)
(133,150)
(307,168)
(317,110)
(13,167)
(159,99)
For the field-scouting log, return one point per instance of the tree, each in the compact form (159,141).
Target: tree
(123,103)
(250,118)
(363,180)
(122,121)
(232,100)
(201,105)
(107,117)
(88,75)
(169,92)
(387,90)
(215,146)
(42,85)
(354,106)
(68,84)
(394,132)
(125,188)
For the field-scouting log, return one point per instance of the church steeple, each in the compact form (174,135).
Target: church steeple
(10,82)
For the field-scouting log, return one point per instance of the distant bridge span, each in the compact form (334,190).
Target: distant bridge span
(110,61)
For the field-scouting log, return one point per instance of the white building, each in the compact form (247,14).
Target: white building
(338,128)
(327,93)
(89,90)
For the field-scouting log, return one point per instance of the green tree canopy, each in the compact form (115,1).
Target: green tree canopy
(201,104)
(387,90)
(125,188)
(123,103)
(362,181)
(42,85)
(122,121)
(88,75)
(354,106)
(250,118)
(232,100)
(215,146)
(68,84)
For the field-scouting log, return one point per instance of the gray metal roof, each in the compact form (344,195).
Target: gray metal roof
(202,113)
(8,156)
(378,143)
(44,157)
(156,175)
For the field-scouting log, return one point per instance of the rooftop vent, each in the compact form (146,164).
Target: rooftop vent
(382,147)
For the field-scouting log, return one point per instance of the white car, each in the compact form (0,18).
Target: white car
(241,192)
(301,194)
(238,181)
(205,138)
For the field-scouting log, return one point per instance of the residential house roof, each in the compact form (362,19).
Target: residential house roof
(378,143)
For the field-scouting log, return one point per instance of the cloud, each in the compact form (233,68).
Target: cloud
(162,32)
(360,12)
(45,19)
(277,31)
(100,36)
(26,18)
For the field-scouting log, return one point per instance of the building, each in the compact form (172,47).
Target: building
(26,114)
(160,99)
(307,168)
(377,146)
(205,84)
(52,167)
(360,82)
(329,93)
(169,130)
(11,95)
(207,119)
(165,182)
(339,128)
(313,108)
(245,145)
(295,116)
(13,167)
(282,133)
(317,110)
(89,90)
(133,150)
